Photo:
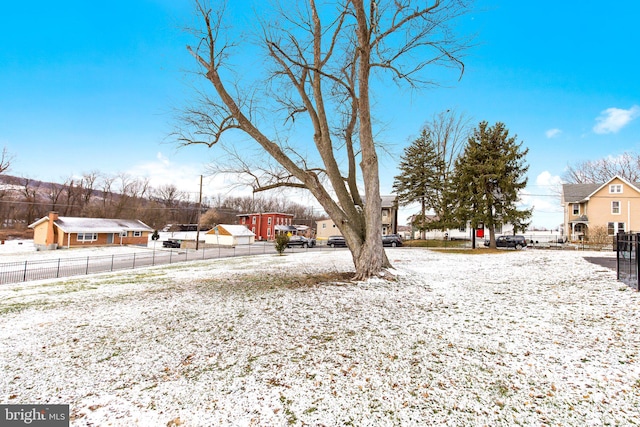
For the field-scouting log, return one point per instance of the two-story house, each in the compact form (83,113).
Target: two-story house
(614,204)
(389,217)
(265,226)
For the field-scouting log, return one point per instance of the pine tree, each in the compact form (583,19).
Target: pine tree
(487,180)
(420,178)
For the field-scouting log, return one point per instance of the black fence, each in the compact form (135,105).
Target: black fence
(627,246)
(24,271)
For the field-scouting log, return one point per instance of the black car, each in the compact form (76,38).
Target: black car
(171,243)
(517,242)
(334,241)
(392,240)
(301,241)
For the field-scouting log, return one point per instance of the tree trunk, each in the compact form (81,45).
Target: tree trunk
(370,259)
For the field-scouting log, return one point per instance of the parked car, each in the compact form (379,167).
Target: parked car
(171,243)
(517,242)
(391,240)
(301,241)
(334,241)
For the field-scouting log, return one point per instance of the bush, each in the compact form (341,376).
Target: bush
(281,243)
(598,236)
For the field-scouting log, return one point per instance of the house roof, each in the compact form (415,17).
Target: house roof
(70,224)
(575,193)
(389,201)
(234,230)
(266,213)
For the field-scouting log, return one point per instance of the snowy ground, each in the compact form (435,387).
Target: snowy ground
(514,338)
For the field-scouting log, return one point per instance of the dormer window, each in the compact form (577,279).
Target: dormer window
(615,189)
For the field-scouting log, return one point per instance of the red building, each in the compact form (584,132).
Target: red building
(267,225)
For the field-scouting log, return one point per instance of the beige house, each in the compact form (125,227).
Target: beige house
(229,235)
(53,231)
(327,227)
(614,204)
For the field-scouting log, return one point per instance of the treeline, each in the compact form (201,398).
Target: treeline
(96,195)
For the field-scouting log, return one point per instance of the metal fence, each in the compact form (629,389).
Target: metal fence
(23,271)
(627,246)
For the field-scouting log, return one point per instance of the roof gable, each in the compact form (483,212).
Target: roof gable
(231,230)
(577,193)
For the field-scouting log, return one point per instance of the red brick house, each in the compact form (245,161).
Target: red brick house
(266,226)
(53,231)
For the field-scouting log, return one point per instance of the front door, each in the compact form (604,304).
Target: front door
(110,239)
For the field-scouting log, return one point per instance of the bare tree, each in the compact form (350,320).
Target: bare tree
(449,132)
(321,57)
(54,193)
(5,160)
(626,165)
(29,193)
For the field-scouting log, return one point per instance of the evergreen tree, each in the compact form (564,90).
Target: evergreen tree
(487,179)
(420,178)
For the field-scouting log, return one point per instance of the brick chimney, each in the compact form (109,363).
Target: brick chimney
(53,216)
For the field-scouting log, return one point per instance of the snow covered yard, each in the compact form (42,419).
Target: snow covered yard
(513,338)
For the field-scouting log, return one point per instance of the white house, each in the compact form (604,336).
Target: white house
(229,235)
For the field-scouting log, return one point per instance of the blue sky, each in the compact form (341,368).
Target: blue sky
(92,86)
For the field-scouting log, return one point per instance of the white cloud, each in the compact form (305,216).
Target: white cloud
(162,171)
(552,133)
(544,198)
(612,120)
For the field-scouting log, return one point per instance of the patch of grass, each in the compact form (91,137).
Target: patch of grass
(435,243)
(291,417)
(271,281)
(18,307)
(476,251)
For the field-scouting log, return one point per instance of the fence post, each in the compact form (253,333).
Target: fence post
(87,271)
(24,276)
(134,260)
(618,256)
(637,261)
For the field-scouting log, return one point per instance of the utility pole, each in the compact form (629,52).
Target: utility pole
(199,214)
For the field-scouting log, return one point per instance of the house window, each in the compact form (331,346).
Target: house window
(87,237)
(499,228)
(243,220)
(610,228)
(324,225)
(615,188)
(253,220)
(575,209)
(621,227)
(268,232)
(137,234)
(462,228)
(615,207)
(123,234)
(253,230)
(269,221)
